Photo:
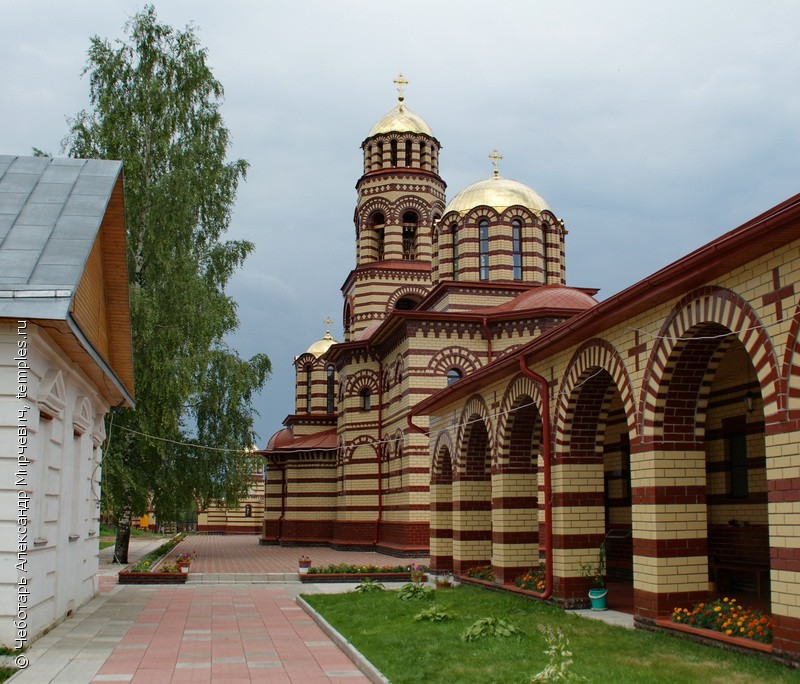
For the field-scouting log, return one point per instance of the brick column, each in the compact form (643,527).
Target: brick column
(670,536)
(441,536)
(515,527)
(472,524)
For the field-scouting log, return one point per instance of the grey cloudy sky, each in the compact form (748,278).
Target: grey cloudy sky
(650,128)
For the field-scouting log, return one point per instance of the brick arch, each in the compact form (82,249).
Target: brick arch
(349,449)
(522,213)
(398,294)
(474,420)
(370,207)
(411,203)
(791,368)
(363,379)
(594,354)
(522,400)
(477,214)
(716,310)
(442,462)
(453,357)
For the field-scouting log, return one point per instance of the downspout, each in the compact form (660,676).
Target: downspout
(379,450)
(485,324)
(544,390)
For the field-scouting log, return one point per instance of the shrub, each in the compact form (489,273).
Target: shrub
(433,614)
(367,585)
(490,627)
(533,580)
(414,591)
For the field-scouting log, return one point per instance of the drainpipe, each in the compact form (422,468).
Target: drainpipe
(379,450)
(485,324)
(544,388)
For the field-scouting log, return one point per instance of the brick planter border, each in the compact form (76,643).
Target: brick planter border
(127,577)
(707,635)
(356,577)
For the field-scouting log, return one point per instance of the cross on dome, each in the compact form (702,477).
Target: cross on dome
(495,156)
(400,82)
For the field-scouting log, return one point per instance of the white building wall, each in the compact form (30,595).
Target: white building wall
(60,413)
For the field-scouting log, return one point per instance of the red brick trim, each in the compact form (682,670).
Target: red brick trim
(670,548)
(668,495)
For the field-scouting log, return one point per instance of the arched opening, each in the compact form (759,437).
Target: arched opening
(366,399)
(598,457)
(379,229)
(408,152)
(394,152)
(330,388)
(483,249)
(407,303)
(453,375)
(410,221)
(308,370)
(454,242)
(472,500)
(516,249)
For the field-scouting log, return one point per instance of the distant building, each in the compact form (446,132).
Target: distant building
(65,359)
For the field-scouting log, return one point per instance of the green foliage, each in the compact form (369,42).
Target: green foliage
(414,591)
(434,614)
(368,584)
(156,106)
(489,627)
(596,572)
(481,572)
(146,562)
(349,569)
(559,658)
(433,652)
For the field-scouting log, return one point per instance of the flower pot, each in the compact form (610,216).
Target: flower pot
(598,598)
(184,569)
(303,569)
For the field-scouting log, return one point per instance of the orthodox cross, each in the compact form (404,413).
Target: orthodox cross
(637,349)
(401,83)
(328,322)
(777,296)
(495,156)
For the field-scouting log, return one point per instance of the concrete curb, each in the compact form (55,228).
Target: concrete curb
(370,671)
(242,578)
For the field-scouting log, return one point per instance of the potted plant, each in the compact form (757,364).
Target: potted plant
(303,564)
(595,572)
(184,561)
(444,581)
(417,572)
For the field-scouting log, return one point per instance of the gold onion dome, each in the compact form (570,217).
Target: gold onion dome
(497,192)
(401,119)
(320,347)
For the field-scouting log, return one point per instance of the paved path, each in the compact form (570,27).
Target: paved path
(219,632)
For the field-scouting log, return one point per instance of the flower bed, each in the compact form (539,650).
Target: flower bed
(727,617)
(147,571)
(533,580)
(344,572)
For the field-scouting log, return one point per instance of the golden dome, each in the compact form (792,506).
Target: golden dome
(499,193)
(320,347)
(400,120)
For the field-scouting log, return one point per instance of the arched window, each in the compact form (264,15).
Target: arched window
(408,153)
(516,247)
(308,388)
(365,400)
(406,303)
(483,247)
(348,317)
(454,231)
(248,511)
(409,235)
(329,405)
(453,375)
(394,152)
(378,225)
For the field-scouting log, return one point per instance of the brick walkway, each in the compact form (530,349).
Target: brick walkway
(201,632)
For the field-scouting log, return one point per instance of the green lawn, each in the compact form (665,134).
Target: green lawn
(383,628)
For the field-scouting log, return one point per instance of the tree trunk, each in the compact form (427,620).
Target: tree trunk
(123,536)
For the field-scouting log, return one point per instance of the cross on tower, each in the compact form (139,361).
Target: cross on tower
(328,322)
(401,83)
(495,156)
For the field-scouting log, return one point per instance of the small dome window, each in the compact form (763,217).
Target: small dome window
(516,248)
(365,399)
(453,375)
(454,232)
(410,221)
(483,249)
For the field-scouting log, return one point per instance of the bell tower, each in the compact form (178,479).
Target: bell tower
(400,199)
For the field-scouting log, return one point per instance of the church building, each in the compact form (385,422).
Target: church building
(484,411)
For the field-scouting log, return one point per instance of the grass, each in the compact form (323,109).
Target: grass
(383,629)
(7,673)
